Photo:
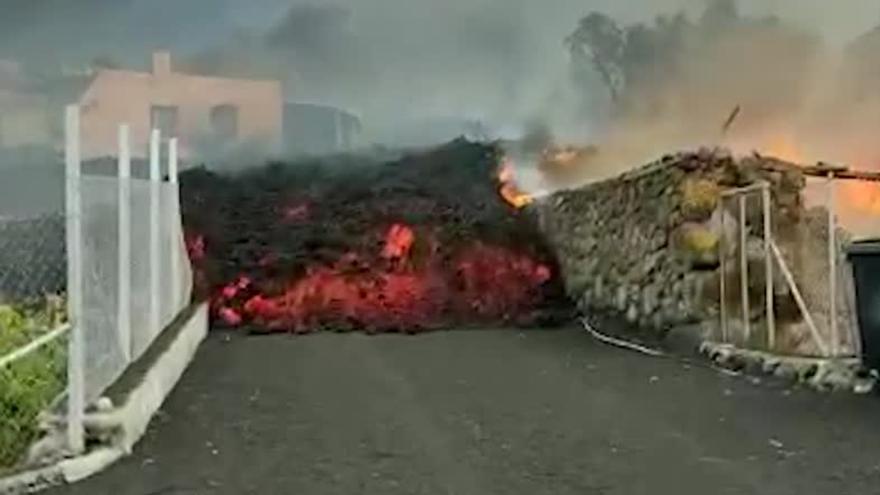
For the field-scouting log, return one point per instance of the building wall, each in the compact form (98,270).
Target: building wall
(118,96)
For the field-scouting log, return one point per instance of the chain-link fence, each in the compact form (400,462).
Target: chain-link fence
(33,279)
(32,257)
(112,262)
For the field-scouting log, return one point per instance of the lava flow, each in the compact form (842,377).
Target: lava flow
(426,242)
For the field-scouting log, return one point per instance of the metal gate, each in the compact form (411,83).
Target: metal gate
(761,294)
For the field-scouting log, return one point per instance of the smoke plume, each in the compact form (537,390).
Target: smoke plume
(421,71)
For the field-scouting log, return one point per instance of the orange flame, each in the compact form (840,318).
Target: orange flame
(509,190)
(855,197)
(862,196)
(784,147)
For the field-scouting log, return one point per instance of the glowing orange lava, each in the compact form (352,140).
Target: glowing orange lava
(398,241)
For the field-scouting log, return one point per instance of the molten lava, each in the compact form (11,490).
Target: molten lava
(487,283)
(423,243)
(398,242)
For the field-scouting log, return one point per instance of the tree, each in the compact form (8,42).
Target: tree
(720,14)
(598,41)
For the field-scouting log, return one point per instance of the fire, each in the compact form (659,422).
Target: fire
(483,283)
(853,196)
(509,189)
(861,195)
(784,147)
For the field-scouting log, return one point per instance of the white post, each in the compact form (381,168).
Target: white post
(832,266)
(76,350)
(155,287)
(172,160)
(722,254)
(744,268)
(173,221)
(768,268)
(123,288)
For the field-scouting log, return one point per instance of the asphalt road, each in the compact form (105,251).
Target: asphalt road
(487,412)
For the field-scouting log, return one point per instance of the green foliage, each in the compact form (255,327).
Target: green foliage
(29,385)
(645,66)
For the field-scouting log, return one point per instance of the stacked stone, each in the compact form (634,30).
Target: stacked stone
(646,244)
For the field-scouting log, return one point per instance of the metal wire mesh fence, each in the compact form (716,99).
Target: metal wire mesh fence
(818,251)
(33,279)
(32,257)
(33,283)
(129,278)
(791,288)
(84,292)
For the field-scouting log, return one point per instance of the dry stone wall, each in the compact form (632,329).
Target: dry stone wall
(646,245)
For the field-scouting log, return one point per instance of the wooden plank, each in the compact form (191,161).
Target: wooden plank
(822,169)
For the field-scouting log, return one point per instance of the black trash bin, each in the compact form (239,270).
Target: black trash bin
(865,259)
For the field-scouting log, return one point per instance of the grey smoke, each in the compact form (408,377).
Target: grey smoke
(397,63)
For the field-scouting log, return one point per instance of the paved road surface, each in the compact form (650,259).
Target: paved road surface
(487,412)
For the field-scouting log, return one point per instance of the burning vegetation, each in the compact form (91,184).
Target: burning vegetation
(427,241)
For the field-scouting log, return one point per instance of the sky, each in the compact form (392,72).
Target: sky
(140,20)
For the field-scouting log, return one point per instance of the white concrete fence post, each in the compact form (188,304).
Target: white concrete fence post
(124,232)
(154,243)
(76,350)
(172,218)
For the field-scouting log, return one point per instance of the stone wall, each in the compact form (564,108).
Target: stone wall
(645,245)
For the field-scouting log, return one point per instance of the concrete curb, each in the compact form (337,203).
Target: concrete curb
(128,423)
(159,380)
(818,373)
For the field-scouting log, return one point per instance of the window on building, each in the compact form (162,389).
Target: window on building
(224,121)
(164,118)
